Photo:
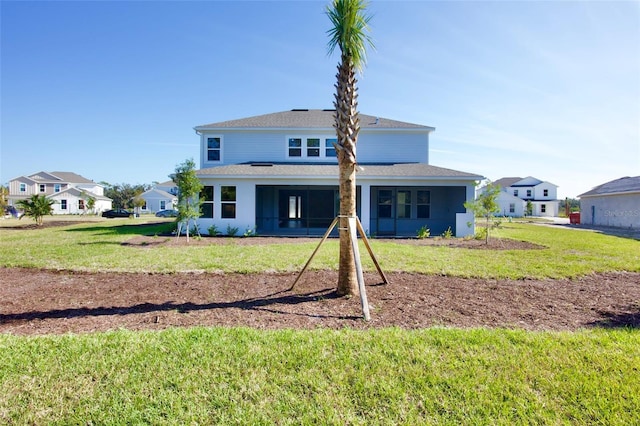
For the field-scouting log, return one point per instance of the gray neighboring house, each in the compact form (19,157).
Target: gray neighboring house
(615,203)
(278,173)
(157,200)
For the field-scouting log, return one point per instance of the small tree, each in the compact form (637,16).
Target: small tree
(137,202)
(189,202)
(529,208)
(36,207)
(485,205)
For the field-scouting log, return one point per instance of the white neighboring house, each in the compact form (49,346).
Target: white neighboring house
(168,186)
(278,174)
(542,195)
(615,203)
(75,201)
(157,200)
(70,191)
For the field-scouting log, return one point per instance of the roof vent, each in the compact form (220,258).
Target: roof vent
(299,109)
(261,164)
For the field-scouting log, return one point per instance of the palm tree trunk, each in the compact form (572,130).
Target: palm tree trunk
(347,128)
(347,280)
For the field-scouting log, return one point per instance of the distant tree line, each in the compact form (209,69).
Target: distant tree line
(124,195)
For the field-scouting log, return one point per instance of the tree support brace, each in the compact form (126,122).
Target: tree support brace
(354,227)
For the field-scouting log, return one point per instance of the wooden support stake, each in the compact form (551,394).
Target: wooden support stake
(356,255)
(373,256)
(326,234)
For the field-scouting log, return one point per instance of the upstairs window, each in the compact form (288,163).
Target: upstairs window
(329,149)
(313,147)
(528,193)
(228,200)
(515,192)
(43,187)
(23,187)
(56,187)
(545,192)
(295,147)
(213,149)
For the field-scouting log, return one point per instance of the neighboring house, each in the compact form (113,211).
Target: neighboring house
(70,191)
(542,195)
(168,186)
(615,203)
(278,174)
(156,200)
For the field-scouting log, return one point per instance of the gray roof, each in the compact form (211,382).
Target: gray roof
(622,185)
(310,171)
(79,193)
(506,182)
(158,193)
(308,119)
(65,177)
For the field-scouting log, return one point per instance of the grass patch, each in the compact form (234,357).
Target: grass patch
(391,376)
(98,247)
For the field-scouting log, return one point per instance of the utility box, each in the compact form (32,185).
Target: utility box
(574,218)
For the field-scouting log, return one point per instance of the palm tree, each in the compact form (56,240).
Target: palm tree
(37,206)
(350,34)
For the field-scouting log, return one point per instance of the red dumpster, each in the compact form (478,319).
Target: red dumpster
(574,218)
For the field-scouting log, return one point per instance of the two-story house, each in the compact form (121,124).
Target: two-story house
(517,192)
(278,174)
(69,191)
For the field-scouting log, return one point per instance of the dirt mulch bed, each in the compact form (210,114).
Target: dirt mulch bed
(493,243)
(36,301)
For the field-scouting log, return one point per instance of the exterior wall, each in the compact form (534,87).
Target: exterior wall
(153,204)
(538,191)
(272,146)
(505,199)
(72,202)
(550,207)
(621,211)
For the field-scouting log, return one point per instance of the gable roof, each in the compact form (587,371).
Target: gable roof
(78,193)
(619,186)
(506,182)
(158,193)
(63,177)
(310,171)
(308,119)
(71,177)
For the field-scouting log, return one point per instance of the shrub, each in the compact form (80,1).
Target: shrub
(213,231)
(424,232)
(447,234)
(232,231)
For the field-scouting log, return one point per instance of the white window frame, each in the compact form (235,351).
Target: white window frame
(56,187)
(63,204)
(305,148)
(23,187)
(205,146)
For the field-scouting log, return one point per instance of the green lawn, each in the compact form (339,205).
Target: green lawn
(97,246)
(388,376)
(392,376)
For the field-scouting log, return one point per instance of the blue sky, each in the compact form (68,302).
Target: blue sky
(112,89)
